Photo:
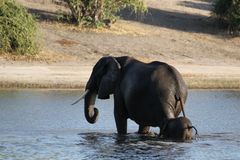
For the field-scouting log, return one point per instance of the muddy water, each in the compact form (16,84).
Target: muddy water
(41,124)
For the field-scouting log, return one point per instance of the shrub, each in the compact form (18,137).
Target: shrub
(101,12)
(229,11)
(17,29)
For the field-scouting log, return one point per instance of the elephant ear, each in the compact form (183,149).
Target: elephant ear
(110,78)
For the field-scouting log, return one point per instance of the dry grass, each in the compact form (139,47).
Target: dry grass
(119,28)
(43,57)
(192,83)
(212,83)
(17,85)
(66,42)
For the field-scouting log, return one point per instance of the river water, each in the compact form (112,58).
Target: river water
(42,124)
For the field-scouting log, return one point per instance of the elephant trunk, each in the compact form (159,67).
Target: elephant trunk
(91,113)
(190,127)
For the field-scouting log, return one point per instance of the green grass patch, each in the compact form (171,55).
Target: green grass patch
(101,13)
(17,29)
(229,12)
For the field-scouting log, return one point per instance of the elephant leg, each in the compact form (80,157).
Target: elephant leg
(169,110)
(143,129)
(169,113)
(120,120)
(120,114)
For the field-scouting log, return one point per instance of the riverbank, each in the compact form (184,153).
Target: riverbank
(181,33)
(76,76)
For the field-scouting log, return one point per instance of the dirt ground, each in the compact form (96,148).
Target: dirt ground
(179,32)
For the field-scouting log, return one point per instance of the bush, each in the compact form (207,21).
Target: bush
(101,12)
(17,29)
(229,11)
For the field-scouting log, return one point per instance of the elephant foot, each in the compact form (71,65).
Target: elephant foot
(144,131)
(148,134)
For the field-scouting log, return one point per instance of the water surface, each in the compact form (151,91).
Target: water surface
(41,124)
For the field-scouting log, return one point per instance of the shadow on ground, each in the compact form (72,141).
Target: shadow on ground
(174,20)
(161,18)
(197,5)
(43,15)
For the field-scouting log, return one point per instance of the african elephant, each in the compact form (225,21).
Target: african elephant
(147,93)
(178,129)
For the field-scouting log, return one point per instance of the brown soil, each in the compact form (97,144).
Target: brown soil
(179,32)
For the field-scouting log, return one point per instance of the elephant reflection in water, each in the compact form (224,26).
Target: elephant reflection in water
(148,93)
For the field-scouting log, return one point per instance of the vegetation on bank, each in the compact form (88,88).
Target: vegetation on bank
(104,12)
(101,12)
(17,29)
(229,12)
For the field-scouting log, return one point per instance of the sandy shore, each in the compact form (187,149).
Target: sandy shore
(76,76)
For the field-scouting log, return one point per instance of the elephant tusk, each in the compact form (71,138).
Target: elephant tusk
(81,97)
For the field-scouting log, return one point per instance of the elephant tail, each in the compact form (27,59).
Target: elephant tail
(181,104)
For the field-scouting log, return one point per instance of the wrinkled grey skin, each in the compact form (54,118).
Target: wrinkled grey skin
(147,93)
(178,129)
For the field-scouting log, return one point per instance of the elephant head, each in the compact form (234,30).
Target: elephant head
(102,82)
(178,129)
